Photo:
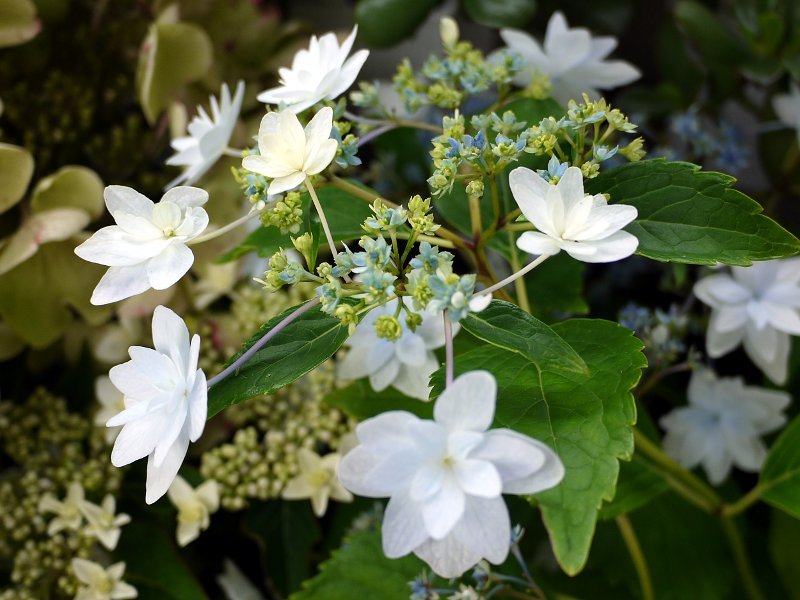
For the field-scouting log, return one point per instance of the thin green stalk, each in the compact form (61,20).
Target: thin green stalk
(743,503)
(222,230)
(321,213)
(746,574)
(637,556)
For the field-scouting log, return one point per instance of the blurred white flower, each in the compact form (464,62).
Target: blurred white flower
(445,478)
(723,424)
(586,227)
(194,507)
(112,402)
(787,107)
(572,58)
(757,306)
(405,364)
(165,400)
(322,72)
(235,585)
(208,137)
(68,512)
(102,521)
(317,481)
(147,247)
(101,584)
(288,153)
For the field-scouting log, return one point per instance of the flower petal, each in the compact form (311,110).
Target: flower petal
(165,269)
(159,478)
(119,283)
(467,403)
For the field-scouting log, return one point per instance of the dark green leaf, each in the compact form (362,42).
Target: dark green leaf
(383,23)
(691,216)
(532,111)
(501,13)
(784,531)
(302,345)
(360,570)
(706,31)
(555,288)
(360,401)
(780,477)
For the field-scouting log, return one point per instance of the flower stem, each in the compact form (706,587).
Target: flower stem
(223,230)
(234,152)
(323,220)
(743,503)
(235,365)
(637,556)
(448,350)
(514,276)
(740,558)
(377,132)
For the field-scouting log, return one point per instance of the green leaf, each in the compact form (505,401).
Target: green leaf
(784,531)
(304,344)
(501,13)
(532,111)
(16,169)
(359,569)
(383,23)
(507,326)
(18,22)
(172,55)
(154,566)
(70,187)
(691,216)
(780,477)
(714,41)
(555,287)
(360,401)
(637,485)
(586,419)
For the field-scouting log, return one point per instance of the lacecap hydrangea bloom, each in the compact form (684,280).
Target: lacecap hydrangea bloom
(289,153)
(405,362)
(195,506)
(147,247)
(208,137)
(586,227)
(322,72)
(165,402)
(758,306)
(445,478)
(574,60)
(723,424)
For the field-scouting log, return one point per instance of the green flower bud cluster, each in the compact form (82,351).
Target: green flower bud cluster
(385,218)
(286,214)
(420,217)
(282,272)
(366,96)
(262,456)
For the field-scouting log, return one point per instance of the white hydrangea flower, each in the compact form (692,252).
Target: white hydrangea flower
(102,521)
(723,424)
(317,481)
(322,72)
(165,400)
(208,137)
(572,58)
(147,247)
(101,584)
(194,507)
(758,306)
(289,153)
(68,512)
(787,107)
(112,402)
(445,478)
(405,364)
(586,227)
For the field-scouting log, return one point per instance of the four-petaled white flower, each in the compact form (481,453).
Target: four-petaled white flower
(445,478)
(723,424)
(165,399)
(317,480)
(194,507)
(101,584)
(787,107)
(288,153)
(102,521)
(586,227)
(208,137)
(405,364)
(112,402)
(572,58)
(323,72)
(68,512)
(147,247)
(757,305)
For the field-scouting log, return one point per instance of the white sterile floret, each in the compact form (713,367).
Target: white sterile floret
(289,153)
(111,401)
(572,58)
(97,583)
(586,227)
(195,506)
(103,521)
(322,72)
(147,247)
(208,137)
(723,424)
(316,481)
(787,107)
(406,363)
(445,478)
(758,306)
(165,402)
(67,512)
